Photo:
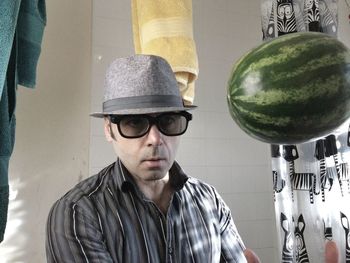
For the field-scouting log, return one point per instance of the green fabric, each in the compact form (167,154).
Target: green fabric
(30,28)
(22,25)
(4,195)
(27,18)
(9,10)
(7,140)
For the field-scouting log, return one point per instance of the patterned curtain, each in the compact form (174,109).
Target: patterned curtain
(311,181)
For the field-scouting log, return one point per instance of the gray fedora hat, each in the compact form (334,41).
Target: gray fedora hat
(140,84)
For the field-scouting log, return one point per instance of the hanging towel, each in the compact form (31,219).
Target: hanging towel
(7,133)
(164,28)
(22,24)
(9,10)
(27,18)
(7,139)
(30,29)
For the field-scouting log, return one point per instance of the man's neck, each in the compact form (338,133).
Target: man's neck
(158,191)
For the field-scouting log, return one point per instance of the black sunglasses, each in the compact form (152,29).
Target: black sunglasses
(135,126)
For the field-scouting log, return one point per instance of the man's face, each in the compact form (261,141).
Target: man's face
(147,158)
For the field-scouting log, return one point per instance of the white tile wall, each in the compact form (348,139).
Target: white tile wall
(214,148)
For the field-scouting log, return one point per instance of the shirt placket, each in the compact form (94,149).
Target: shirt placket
(170,253)
(167,226)
(170,247)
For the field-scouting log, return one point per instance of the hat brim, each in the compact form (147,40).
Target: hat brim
(142,111)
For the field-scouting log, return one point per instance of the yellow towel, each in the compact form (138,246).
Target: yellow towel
(164,28)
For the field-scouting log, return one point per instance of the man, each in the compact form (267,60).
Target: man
(143,207)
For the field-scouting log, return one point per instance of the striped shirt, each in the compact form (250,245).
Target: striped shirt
(106,218)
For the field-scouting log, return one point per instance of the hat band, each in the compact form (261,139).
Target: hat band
(140,102)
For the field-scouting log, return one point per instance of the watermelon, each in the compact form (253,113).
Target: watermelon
(292,89)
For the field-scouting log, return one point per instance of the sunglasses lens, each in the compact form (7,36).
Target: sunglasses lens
(134,126)
(172,124)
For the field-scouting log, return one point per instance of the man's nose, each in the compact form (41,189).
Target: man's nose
(154,136)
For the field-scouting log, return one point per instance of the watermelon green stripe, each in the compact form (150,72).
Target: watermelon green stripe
(280,55)
(280,128)
(317,89)
(278,65)
(283,120)
(315,64)
(292,88)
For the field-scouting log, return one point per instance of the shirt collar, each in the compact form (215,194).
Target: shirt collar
(125,182)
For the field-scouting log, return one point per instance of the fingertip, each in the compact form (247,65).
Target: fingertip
(331,252)
(251,256)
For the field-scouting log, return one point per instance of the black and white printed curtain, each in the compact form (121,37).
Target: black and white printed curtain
(311,182)
(280,17)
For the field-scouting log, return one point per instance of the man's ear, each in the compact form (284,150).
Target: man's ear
(107,130)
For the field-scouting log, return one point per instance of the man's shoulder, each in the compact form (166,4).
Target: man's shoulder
(86,190)
(195,185)
(196,182)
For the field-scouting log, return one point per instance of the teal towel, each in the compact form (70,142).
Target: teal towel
(7,140)
(30,28)
(22,25)
(4,195)
(9,10)
(28,19)
(7,133)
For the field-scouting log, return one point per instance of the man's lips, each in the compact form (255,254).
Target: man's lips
(154,162)
(154,159)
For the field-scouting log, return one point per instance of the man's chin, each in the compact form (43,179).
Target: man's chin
(155,174)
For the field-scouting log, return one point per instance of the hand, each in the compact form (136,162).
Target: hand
(331,254)
(251,256)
